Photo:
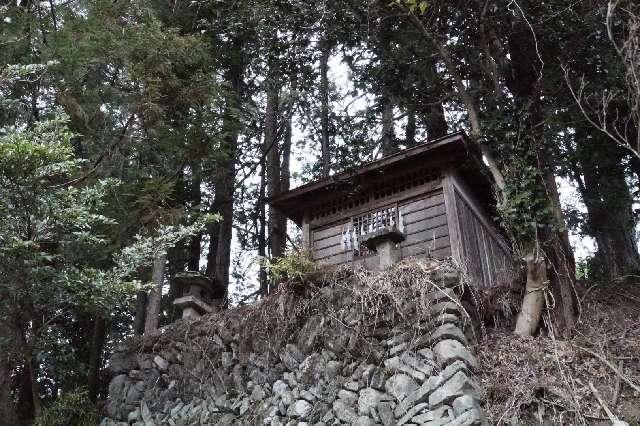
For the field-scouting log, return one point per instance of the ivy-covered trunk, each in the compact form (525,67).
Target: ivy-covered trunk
(547,233)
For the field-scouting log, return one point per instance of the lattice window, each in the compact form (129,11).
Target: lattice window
(368,223)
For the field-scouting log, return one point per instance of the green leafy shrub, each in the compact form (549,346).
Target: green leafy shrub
(295,265)
(71,408)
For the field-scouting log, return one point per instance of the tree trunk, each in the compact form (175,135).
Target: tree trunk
(276,231)
(533,301)
(436,121)
(219,257)
(285,167)
(553,236)
(473,113)
(32,371)
(325,51)
(609,205)
(388,142)
(7,409)
(284,185)
(193,264)
(26,326)
(262,231)
(437,125)
(214,234)
(559,254)
(29,383)
(410,129)
(155,296)
(141,313)
(24,396)
(95,357)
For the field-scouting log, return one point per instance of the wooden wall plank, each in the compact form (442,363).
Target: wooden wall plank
(328,251)
(453,218)
(490,258)
(421,250)
(464,193)
(425,218)
(437,233)
(306,234)
(415,216)
(327,245)
(425,224)
(327,232)
(429,200)
(469,243)
(327,242)
(482,249)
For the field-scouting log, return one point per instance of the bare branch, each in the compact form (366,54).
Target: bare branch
(604,114)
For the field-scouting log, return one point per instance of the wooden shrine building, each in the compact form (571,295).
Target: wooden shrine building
(432,200)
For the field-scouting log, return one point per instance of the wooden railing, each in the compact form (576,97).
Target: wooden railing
(368,223)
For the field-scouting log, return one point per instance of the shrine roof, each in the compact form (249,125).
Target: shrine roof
(449,150)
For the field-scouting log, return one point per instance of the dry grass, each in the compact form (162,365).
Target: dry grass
(534,381)
(374,299)
(546,381)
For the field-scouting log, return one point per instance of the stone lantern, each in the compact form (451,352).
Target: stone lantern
(199,295)
(384,242)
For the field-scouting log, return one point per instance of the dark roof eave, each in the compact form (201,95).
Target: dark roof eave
(367,167)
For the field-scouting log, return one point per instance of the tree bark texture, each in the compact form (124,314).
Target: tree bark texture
(95,357)
(410,129)
(262,230)
(277,221)
(24,406)
(609,205)
(7,360)
(140,314)
(221,234)
(155,296)
(436,121)
(25,325)
(285,166)
(30,389)
(467,100)
(553,237)
(325,51)
(388,140)
(193,263)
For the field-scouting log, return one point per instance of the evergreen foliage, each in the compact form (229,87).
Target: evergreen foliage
(134,129)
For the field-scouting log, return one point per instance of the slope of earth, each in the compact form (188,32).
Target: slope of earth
(560,381)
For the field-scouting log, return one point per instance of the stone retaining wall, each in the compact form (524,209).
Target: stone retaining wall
(347,361)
